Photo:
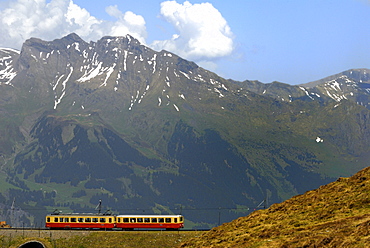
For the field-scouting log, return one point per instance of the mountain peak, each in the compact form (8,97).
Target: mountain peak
(361,75)
(72,37)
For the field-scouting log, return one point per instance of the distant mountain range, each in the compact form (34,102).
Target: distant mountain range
(149,131)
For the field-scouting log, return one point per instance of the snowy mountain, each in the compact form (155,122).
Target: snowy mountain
(353,85)
(149,131)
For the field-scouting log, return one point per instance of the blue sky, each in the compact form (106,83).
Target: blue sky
(291,41)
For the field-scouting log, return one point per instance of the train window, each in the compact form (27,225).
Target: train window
(94,219)
(175,220)
(161,220)
(126,220)
(66,219)
(181,218)
(73,219)
(140,220)
(61,220)
(133,220)
(55,219)
(48,219)
(154,220)
(110,220)
(119,220)
(87,219)
(168,220)
(102,220)
(80,219)
(147,220)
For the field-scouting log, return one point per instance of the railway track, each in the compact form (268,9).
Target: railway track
(34,229)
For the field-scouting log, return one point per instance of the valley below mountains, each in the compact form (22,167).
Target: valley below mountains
(147,131)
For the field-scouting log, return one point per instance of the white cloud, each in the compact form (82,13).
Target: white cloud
(128,23)
(203,33)
(23,19)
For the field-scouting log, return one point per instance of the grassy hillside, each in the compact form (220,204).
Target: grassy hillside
(334,215)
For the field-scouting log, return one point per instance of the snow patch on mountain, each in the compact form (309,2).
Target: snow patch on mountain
(64,84)
(8,73)
(91,74)
(177,108)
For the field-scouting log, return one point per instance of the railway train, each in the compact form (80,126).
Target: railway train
(109,221)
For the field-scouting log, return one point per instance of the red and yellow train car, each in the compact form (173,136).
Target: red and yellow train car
(168,222)
(80,221)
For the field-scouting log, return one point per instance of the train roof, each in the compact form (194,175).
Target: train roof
(80,214)
(149,216)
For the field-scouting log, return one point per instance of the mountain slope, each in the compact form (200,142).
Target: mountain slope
(150,131)
(350,85)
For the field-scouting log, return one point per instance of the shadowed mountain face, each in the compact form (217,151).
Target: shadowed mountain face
(149,131)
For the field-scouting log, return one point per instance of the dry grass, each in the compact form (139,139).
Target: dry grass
(126,239)
(91,239)
(334,215)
